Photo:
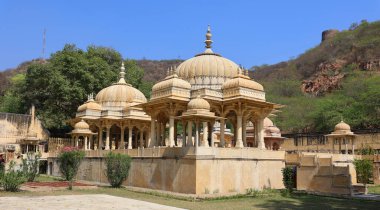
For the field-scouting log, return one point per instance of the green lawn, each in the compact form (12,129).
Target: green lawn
(45,178)
(273,201)
(374,189)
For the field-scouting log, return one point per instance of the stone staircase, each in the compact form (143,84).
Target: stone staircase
(321,175)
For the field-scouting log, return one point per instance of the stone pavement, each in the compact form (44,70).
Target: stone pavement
(77,202)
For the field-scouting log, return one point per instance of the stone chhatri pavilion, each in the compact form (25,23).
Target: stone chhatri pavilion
(200,91)
(170,137)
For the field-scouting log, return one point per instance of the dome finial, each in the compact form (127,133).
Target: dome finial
(122,73)
(208,40)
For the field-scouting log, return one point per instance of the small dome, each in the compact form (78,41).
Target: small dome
(242,81)
(82,125)
(171,81)
(342,126)
(120,94)
(268,122)
(91,104)
(198,103)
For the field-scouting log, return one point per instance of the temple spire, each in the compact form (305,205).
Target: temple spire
(208,40)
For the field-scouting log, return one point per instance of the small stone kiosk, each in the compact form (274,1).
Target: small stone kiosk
(342,135)
(82,136)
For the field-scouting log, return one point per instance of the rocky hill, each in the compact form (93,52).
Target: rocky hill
(322,68)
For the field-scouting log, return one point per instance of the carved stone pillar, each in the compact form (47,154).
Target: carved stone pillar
(244,131)
(130,137)
(171,131)
(239,132)
(85,143)
(122,141)
(189,141)
(90,142)
(152,133)
(100,139)
(196,143)
(183,133)
(260,133)
(108,138)
(204,142)
(211,132)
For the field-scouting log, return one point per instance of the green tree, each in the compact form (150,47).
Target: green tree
(69,161)
(12,100)
(364,170)
(60,85)
(117,168)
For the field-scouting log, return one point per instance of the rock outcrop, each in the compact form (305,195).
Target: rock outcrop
(326,79)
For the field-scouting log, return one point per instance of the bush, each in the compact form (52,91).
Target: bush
(12,179)
(288,178)
(364,170)
(30,166)
(69,160)
(117,170)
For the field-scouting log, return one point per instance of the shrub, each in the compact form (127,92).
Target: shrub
(364,170)
(69,160)
(12,179)
(30,166)
(288,178)
(117,170)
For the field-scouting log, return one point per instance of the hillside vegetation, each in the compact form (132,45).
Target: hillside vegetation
(341,63)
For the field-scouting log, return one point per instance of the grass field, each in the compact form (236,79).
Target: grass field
(274,200)
(374,189)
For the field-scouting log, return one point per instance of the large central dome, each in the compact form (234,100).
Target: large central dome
(207,69)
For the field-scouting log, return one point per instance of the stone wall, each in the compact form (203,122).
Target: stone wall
(361,141)
(208,170)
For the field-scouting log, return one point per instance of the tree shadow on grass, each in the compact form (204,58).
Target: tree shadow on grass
(317,202)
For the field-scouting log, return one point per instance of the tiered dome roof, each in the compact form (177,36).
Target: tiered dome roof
(171,81)
(198,103)
(270,129)
(342,126)
(120,94)
(241,80)
(81,125)
(208,68)
(90,104)
(342,129)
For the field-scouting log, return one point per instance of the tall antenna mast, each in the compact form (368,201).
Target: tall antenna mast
(43,44)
